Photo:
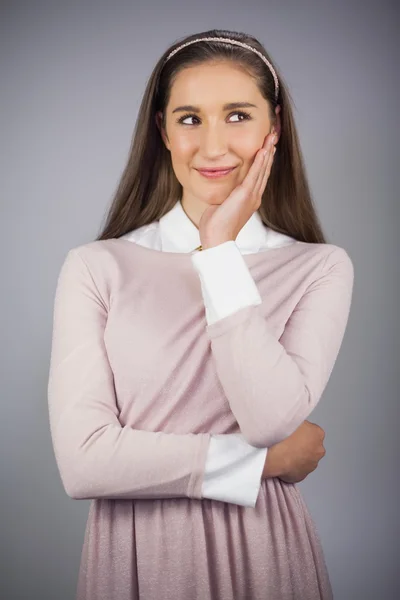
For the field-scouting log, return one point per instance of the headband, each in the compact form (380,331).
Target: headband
(235,43)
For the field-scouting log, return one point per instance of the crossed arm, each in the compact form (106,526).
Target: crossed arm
(98,458)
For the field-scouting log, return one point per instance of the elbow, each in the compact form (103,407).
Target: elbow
(78,487)
(79,466)
(78,473)
(74,493)
(278,426)
(75,485)
(72,477)
(268,437)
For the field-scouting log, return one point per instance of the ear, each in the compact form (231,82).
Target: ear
(161,129)
(277,126)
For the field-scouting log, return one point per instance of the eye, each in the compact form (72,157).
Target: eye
(243,114)
(184,117)
(246,116)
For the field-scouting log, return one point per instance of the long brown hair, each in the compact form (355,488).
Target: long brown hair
(148,187)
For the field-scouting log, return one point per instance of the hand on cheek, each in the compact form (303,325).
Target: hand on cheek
(221,223)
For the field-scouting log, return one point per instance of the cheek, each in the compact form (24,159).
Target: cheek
(249,142)
(181,157)
(182,147)
(247,153)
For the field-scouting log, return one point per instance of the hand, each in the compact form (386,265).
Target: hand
(298,455)
(221,223)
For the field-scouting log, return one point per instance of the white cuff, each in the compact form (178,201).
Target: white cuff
(226,282)
(233,470)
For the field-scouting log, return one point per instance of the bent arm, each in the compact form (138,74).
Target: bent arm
(273,386)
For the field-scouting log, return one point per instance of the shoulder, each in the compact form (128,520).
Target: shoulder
(103,260)
(337,260)
(331,265)
(319,256)
(326,255)
(94,253)
(93,270)
(86,267)
(105,252)
(95,264)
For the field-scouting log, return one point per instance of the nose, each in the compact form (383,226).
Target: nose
(213,142)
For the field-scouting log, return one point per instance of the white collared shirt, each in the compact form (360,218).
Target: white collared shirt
(233,469)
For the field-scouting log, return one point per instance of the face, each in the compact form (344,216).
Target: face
(202,131)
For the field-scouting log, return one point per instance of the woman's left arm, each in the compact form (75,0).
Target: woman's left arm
(273,385)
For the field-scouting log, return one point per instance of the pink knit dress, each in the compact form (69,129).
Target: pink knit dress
(137,384)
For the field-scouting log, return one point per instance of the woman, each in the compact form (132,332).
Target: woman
(193,338)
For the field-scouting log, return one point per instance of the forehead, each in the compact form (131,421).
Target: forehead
(213,82)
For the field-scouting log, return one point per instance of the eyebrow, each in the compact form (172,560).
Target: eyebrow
(229,106)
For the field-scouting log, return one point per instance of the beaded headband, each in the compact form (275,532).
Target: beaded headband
(235,43)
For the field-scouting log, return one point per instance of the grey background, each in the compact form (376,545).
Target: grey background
(72,77)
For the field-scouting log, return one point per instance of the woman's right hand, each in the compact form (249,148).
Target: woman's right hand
(298,455)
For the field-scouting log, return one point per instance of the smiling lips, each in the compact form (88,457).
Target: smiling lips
(214,173)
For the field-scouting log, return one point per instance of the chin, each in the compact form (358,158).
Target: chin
(214,196)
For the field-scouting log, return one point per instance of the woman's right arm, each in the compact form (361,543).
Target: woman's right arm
(96,456)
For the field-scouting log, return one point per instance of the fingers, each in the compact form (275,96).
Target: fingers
(261,172)
(265,172)
(257,176)
(253,174)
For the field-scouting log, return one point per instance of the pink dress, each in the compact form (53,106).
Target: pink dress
(137,384)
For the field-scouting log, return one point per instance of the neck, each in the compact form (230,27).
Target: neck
(193,208)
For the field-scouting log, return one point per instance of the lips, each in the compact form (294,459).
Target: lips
(213,169)
(216,172)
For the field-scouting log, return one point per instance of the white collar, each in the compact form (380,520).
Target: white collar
(175,232)
(179,234)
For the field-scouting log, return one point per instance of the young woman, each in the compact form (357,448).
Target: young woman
(193,338)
